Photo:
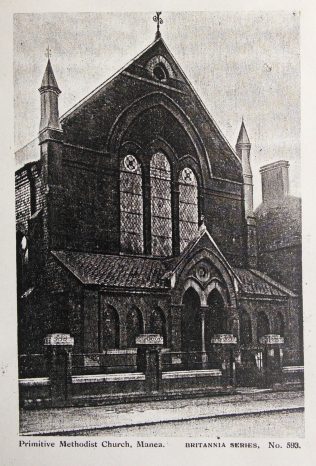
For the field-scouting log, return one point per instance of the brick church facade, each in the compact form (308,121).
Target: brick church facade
(135,216)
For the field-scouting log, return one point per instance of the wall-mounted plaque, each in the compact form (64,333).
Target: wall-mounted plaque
(149,339)
(224,339)
(59,339)
(271,339)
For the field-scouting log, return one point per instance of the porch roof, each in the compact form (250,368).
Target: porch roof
(254,282)
(114,270)
(139,272)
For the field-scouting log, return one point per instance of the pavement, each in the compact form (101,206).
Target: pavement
(63,421)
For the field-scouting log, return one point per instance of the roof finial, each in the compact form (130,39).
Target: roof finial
(48,52)
(159,21)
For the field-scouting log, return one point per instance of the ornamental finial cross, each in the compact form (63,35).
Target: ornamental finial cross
(48,52)
(159,21)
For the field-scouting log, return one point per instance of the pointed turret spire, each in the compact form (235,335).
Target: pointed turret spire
(49,80)
(49,91)
(243,147)
(243,136)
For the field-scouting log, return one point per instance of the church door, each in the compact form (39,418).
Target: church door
(191,322)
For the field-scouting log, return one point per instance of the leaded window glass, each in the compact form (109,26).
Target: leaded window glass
(161,223)
(131,205)
(188,207)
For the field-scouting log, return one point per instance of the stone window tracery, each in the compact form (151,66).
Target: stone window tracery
(131,205)
(161,221)
(188,207)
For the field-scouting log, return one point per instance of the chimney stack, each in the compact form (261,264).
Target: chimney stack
(275,182)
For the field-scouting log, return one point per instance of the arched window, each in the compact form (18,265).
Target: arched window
(161,223)
(279,324)
(111,328)
(134,326)
(131,205)
(24,250)
(188,207)
(160,72)
(245,329)
(22,259)
(263,326)
(157,324)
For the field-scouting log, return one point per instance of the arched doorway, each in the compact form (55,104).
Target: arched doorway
(216,318)
(157,324)
(191,322)
(134,326)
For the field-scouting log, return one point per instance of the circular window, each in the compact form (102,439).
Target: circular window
(188,175)
(203,273)
(130,163)
(160,73)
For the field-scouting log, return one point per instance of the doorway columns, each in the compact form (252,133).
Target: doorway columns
(203,310)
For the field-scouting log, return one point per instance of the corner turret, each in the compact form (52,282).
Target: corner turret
(243,147)
(49,91)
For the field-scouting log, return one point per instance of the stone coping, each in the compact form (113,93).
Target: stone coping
(124,377)
(293,369)
(32,382)
(190,374)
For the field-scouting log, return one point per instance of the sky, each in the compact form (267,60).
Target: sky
(244,64)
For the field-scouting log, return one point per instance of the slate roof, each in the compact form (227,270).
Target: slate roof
(149,273)
(258,283)
(114,271)
(49,80)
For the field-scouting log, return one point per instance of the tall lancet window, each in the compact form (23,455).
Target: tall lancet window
(188,207)
(161,223)
(131,204)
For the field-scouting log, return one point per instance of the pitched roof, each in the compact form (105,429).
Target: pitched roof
(114,271)
(157,42)
(203,231)
(105,83)
(258,283)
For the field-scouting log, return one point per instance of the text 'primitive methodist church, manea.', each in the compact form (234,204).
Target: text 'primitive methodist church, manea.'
(135,225)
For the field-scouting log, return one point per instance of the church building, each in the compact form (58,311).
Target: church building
(134,216)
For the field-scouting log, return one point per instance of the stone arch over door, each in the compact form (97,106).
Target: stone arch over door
(226,285)
(191,321)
